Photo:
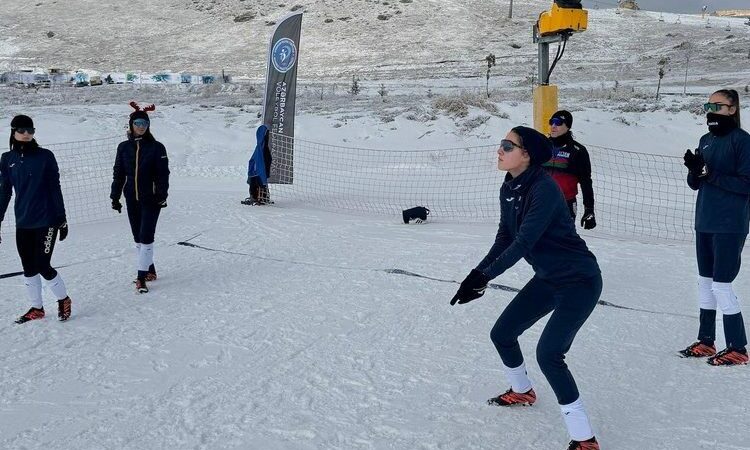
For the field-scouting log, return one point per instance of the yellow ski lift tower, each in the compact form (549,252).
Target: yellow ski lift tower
(556,25)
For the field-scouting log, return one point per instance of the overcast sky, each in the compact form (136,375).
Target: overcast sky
(678,6)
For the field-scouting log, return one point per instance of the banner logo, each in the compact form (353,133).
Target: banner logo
(284,55)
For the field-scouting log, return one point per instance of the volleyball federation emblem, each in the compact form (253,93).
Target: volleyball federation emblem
(284,55)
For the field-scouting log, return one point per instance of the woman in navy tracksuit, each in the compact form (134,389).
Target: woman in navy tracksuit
(32,172)
(535,224)
(720,171)
(141,171)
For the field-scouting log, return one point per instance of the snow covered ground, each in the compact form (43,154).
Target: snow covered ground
(283,329)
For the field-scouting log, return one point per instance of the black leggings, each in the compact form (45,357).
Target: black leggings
(35,247)
(143,220)
(719,255)
(570,304)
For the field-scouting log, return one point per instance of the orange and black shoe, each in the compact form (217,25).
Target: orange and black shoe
(63,309)
(510,398)
(32,314)
(698,350)
(140,286)
(729,357)
(151,275)
(589,444)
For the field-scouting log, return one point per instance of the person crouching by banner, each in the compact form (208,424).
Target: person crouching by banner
(141,172)
(259,169)
(33,173)
(535,225)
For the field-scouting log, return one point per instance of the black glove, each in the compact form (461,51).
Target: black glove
(161,203)
(695,163)
(588,221)
(471,288)
(63,228)
(117,206)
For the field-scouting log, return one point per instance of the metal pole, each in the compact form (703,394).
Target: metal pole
(687,64)
(510,10)
(543,63)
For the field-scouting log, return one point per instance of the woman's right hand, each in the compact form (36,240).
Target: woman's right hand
(471,288)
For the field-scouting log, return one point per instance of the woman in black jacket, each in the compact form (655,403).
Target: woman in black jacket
(32,172)
(141,172)
(720,171)
(535,224)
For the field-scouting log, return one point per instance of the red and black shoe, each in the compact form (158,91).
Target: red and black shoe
(140,286)
(151,275)
(589,444)
(63,309)
(510,398)
(32,314)
(698,350)
(729,357)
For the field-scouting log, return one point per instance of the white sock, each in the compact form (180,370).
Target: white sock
(726,298)
(57,286)
(518,379)
(146,257)
(706,297)
(34,290)
(577,421)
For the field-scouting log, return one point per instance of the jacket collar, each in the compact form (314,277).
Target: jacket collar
(562,141)
(522,182)
(24,147)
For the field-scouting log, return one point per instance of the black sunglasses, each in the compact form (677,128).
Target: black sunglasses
(25,130)
(556,122)
(508,146)
(714,107)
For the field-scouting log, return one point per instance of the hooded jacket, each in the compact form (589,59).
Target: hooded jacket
(535,225)
(33,173)
(260,163)
(141,171)
(723,203)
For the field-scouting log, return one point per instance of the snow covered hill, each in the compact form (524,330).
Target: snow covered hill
(382,40)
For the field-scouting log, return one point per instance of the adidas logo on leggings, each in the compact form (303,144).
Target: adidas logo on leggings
(48,240)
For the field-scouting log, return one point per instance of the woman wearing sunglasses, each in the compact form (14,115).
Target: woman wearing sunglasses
(570,166)
(32,172)
(141,171)
(720,171)
(535,225)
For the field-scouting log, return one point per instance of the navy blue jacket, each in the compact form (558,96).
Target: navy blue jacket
(141,171)
(535,225)
(33,173)
(723,204)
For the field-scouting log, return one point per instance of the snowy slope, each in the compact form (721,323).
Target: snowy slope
(417,39)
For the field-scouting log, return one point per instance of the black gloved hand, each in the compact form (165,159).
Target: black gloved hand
(161,203)
(588,221)
(63,228)
(117,206)
(471,288)
(695,163)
